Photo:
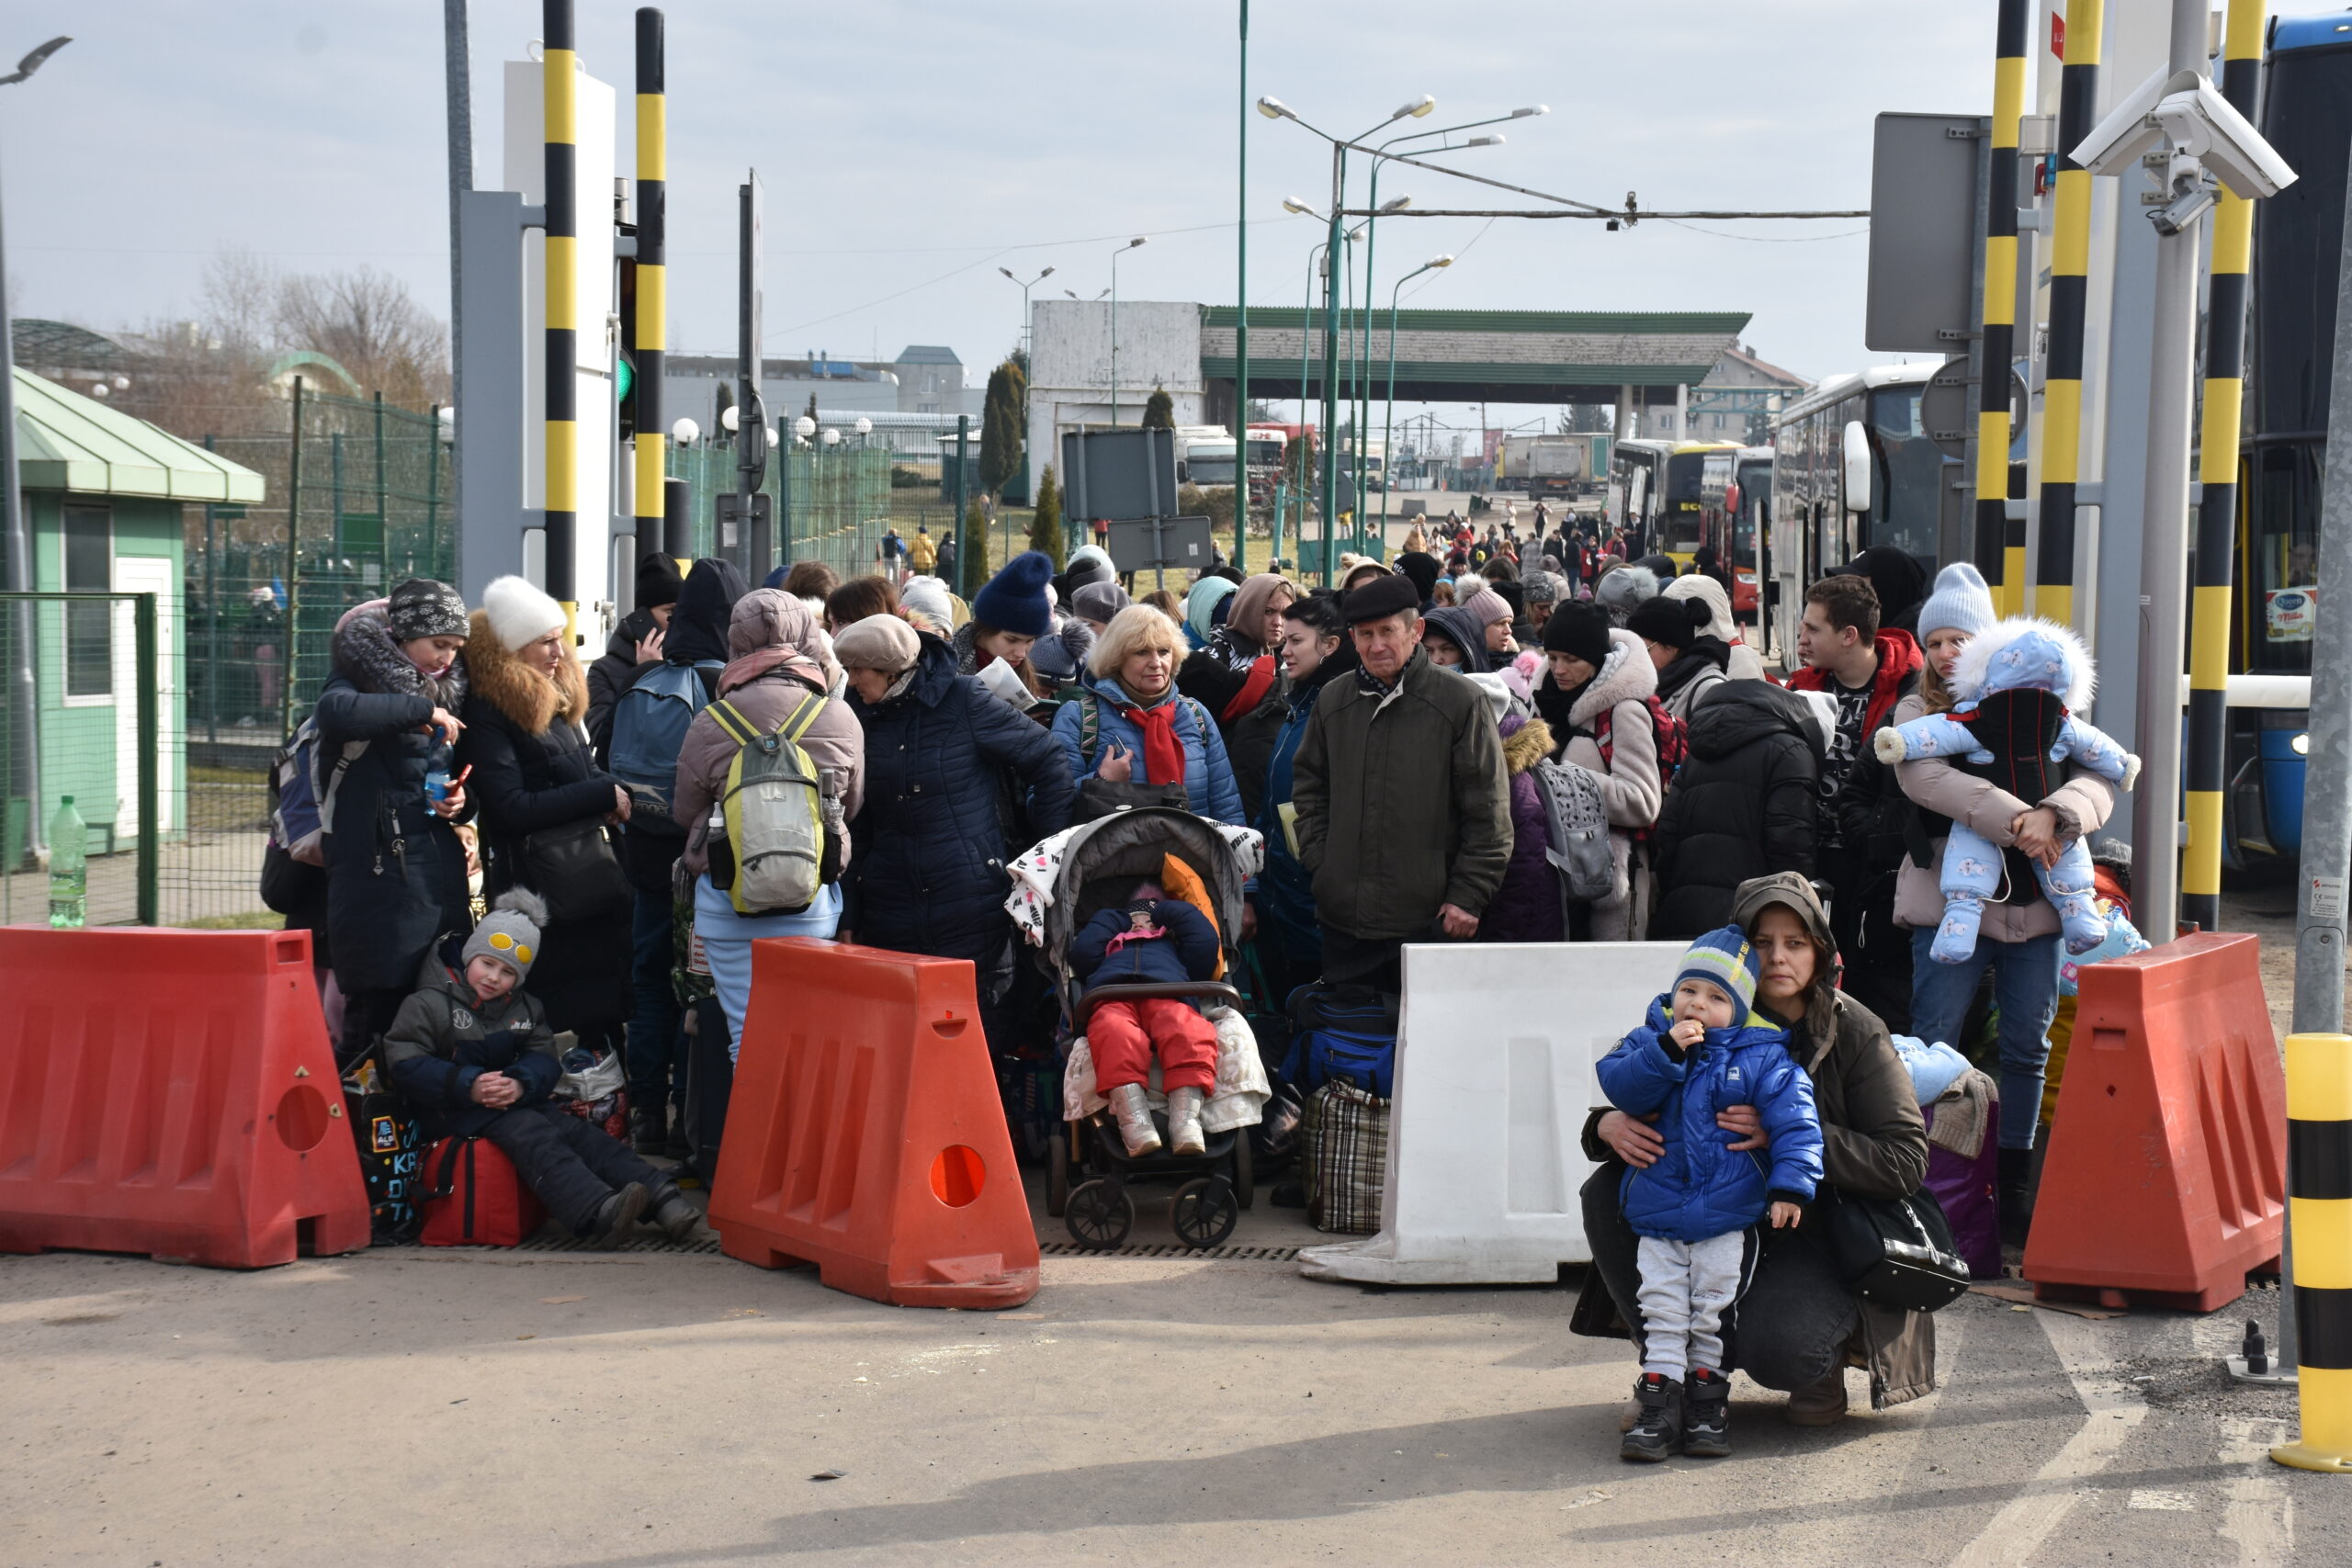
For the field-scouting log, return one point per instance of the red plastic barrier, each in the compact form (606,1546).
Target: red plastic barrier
(865,1133)
(2166,1175)
(172,1093)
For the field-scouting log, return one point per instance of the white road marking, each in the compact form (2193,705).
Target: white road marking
(2259,1514)
(2016,1533)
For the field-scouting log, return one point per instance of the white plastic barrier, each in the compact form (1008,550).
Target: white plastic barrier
(1494,1076)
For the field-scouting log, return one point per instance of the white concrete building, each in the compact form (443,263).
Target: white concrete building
(1071,385)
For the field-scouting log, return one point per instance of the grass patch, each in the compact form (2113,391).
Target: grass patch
(251,921)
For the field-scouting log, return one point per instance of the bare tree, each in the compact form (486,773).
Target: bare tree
(369,323)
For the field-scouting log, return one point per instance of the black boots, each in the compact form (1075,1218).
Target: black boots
(614,1215)
(668,1208)
(1657,1431)
(2017,1194)
(648,1127)
(1706,1415)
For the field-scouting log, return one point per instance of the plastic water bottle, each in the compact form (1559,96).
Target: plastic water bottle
(69,875)
(436,786)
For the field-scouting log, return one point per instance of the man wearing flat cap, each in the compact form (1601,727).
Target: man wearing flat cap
(1404,808)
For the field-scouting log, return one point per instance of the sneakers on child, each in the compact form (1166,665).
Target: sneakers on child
(1185,1136)
(1706,1415)
(614,1215)
(1657,1431)
(1134,1114)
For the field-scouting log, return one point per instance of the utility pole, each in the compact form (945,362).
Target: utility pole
(1241,323)
(457,72)
(1998,347)
(2163,542)
(1332,261)
(751,411)
(561,89)
(652,274)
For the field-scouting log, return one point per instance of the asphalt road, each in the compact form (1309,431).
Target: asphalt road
(647,1409)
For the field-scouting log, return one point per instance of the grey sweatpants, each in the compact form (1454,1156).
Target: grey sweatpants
(1686,1288)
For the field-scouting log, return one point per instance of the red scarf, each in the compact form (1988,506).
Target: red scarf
(1163,752)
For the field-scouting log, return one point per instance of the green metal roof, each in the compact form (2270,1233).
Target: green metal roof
(65,441)
(1563,323)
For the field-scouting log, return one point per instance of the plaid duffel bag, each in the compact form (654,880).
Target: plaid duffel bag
(1346,1159)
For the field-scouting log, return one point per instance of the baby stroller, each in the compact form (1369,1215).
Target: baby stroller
(1065,882)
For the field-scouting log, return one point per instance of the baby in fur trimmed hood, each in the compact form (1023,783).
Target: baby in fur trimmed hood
(2012,726)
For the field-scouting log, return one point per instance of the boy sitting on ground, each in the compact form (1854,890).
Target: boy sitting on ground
(1150,939)
(472,1054)
(1696,1207)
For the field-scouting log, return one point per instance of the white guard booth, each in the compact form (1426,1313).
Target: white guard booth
(1495,1056)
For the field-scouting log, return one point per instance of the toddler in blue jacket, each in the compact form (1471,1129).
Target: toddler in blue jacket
(1695,1208)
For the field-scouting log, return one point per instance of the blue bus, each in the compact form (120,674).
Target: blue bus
(2298,237)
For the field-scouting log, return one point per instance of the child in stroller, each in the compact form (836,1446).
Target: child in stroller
(1151,939)
(1149,1013)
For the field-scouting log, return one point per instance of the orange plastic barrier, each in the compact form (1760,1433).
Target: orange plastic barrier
(865,1134)
(2166,1176)
(172,1093)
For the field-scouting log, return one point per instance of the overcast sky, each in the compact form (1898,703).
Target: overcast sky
(910,149)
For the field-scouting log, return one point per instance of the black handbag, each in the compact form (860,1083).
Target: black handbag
(574,868)
(1897,1252)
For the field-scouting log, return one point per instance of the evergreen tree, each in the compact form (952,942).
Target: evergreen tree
(974,560)
(1046,529)
(1001,432)
(1159,411)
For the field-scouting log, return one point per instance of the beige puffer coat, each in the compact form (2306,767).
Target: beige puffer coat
(1630,786)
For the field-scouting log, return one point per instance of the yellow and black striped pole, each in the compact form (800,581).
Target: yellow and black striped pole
(2061,398)
(2319,1212)
(653,275)
(559,89)
(2203,767)
(2001,562)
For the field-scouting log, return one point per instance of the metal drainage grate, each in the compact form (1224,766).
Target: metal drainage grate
(1172,1250)
(553,1239)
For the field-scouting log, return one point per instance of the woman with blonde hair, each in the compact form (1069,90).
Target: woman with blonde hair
(1131,737)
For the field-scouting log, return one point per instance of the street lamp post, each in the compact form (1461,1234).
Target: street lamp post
(24,743)
(1028,333)
(1275,108)
(1388,421)
(1122,249)
(1305,346)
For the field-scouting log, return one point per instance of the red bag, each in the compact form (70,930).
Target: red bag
(477,1198)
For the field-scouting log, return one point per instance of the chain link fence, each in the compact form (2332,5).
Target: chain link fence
(835,503)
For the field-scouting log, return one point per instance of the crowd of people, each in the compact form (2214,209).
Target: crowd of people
(524,848)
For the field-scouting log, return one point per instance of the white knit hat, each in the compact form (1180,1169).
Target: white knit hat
(519,613)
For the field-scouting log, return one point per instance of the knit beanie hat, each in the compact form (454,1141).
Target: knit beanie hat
(422,607)
(1627,586)
(657,580)
(1579,628)
(1961,603)
(510,932)
(1726,959)
(1673,622)
(519,613)
(1487,606)
(1014,599)
(928,597)
(879,642)
(1099,602)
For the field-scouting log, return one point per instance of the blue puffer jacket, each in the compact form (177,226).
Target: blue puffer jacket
(942,759)
(1699,1188)
(1188,951)
(1208,775)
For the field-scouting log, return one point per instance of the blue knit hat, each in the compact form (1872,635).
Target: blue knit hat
(1014,599)
(1961,603)
(1726,959)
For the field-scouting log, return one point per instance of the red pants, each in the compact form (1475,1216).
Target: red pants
(1122,1035)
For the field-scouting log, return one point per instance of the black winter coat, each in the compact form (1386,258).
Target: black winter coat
(611,675)
(396,874)
(532,771)
(930,872)
(1741,805)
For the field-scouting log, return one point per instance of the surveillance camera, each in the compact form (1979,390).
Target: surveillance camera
(2200,122)
(2127,132)
(2192,199)
(2183,112)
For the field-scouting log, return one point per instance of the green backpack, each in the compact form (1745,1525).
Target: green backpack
(779,851)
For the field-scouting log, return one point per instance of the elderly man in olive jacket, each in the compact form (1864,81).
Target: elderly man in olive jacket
(1404,808)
